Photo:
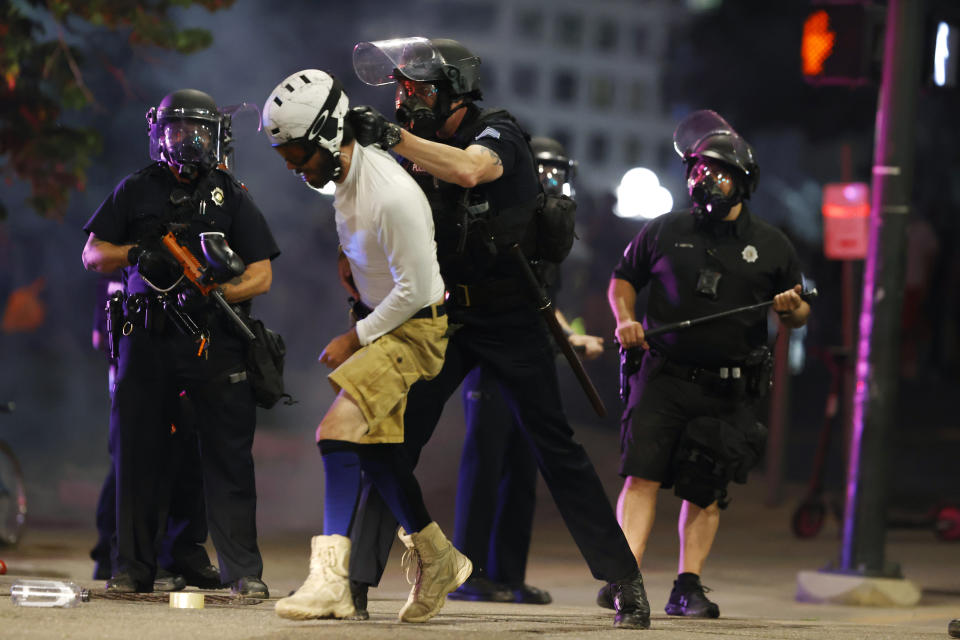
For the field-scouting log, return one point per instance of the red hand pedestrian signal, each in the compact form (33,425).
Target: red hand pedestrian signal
(839,43)
(817,44)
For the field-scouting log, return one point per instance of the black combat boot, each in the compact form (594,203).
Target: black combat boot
(605,596)
(481,588)
(688,598)
(168,581)
(630,603)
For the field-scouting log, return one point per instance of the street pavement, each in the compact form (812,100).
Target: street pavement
(752,573)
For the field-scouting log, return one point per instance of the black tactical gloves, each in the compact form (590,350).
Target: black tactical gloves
(156,266)
(369,127)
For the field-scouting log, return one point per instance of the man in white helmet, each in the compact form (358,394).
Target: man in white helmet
(388,255)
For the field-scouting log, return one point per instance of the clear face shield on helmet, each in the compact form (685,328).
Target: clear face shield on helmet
(721,168)
(377,62)
(425,78)
(185,137)
(241,118)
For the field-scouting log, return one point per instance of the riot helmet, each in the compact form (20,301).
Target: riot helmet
(306,113)
(185,132)
(430,76)
(721,167)
(554,167)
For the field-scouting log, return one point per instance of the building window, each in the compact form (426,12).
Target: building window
(637,100)
(530,24)
(602,92)
(565,86)
(569,30)
(525,81)
(640,40)
(606,35)
(597,149)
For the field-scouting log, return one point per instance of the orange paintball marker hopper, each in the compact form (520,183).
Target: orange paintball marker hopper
(202,278)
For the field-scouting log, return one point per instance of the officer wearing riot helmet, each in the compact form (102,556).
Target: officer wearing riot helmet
(689,421)
(496,491)
(478,172)
(172,339)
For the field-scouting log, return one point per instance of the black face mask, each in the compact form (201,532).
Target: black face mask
(705,184)
(418,118)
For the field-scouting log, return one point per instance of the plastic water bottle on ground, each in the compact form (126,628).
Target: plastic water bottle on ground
(47,593)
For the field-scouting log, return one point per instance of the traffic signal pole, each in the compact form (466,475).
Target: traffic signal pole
(878,348)
(862,575)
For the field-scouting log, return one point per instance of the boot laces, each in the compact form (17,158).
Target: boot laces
(412,563)
(321,572)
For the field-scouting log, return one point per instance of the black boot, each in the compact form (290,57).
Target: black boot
(480,588)
(605,596)
(203,577)
(630,603)
(250,587)
(688,598)
(124,582)
(358,590)
(526,594)
(168,581)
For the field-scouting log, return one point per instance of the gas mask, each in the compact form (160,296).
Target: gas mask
(414,111)
(190,145)
(714,189)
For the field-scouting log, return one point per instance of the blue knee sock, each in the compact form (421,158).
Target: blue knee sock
(341,470)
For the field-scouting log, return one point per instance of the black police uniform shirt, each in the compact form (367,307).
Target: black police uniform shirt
(755,260)
(141,202)
(517,186)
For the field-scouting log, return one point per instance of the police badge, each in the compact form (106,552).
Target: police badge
(216,196)
(749,253)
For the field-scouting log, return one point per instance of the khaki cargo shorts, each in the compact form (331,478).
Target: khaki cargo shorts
(379,375)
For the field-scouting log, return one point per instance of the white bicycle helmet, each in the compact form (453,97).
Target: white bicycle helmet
(309,108)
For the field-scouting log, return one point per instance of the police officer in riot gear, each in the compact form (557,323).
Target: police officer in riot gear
(184,192)
(479,175)
(693,393)
(496,490)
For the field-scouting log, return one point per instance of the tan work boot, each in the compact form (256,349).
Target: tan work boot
(326,591)
(439,570)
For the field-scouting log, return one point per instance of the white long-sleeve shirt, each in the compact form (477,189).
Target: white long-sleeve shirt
(386,231)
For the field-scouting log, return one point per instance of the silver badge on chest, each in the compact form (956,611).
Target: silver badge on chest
(749,253)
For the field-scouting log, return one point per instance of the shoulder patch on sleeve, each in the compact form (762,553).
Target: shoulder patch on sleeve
(489,132)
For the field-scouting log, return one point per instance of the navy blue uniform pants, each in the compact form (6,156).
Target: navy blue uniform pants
(496,491)
(514,346)
(153,369)
(183,517)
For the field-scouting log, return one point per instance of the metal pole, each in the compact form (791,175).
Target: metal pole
(864,530)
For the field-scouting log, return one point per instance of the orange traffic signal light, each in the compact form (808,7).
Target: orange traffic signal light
(840,41)
(818,42)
